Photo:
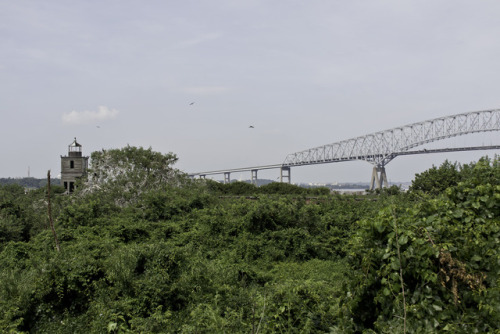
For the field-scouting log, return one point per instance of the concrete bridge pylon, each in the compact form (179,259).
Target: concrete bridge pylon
(379,178)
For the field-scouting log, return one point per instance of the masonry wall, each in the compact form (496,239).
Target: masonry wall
(71,169)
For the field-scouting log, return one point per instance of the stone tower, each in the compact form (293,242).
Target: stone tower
(73,166)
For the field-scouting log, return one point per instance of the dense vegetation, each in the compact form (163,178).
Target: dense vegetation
(144,249)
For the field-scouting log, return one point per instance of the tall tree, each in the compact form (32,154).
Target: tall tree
(130,171)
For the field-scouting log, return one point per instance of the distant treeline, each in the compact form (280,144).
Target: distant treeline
(28,182)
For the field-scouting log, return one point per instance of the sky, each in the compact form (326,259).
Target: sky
(191,77)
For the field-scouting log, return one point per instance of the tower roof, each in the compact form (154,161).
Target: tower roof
(75,144)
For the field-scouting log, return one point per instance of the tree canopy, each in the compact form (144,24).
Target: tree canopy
(437,179)
(128,172)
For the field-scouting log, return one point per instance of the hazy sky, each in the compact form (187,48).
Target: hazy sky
(303,73)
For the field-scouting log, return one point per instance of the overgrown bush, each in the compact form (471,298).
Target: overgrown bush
(432,267)
(194,256)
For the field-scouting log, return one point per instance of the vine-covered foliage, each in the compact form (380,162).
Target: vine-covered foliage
(239,188)
(195,257)
(433,266)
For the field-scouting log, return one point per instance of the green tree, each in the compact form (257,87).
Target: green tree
(435,180)
(22,214)
(126,173)
(484,171)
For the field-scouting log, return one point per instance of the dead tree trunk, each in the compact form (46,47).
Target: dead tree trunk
(50,213)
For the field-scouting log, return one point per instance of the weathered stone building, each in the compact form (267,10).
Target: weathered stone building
(73,166)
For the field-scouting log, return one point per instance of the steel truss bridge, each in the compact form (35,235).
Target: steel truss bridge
(382,147)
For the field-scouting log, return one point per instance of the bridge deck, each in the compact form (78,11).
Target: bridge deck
(285,165)
(381,147)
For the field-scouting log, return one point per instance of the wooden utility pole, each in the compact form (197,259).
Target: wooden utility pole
(50,213)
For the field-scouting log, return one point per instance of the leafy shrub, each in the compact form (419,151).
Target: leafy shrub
(430,268)
(282,188)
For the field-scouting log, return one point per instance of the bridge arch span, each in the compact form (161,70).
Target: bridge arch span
(381,147)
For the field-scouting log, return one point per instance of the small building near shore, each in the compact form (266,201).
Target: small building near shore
(73,166)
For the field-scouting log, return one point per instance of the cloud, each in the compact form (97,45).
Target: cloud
(88,116)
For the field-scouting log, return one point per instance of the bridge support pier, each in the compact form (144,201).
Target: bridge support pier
(254,176)
(379,178)
(227,177)
(285,174)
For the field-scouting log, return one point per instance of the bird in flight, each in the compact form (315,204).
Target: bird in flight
(191,103)
(251,127)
